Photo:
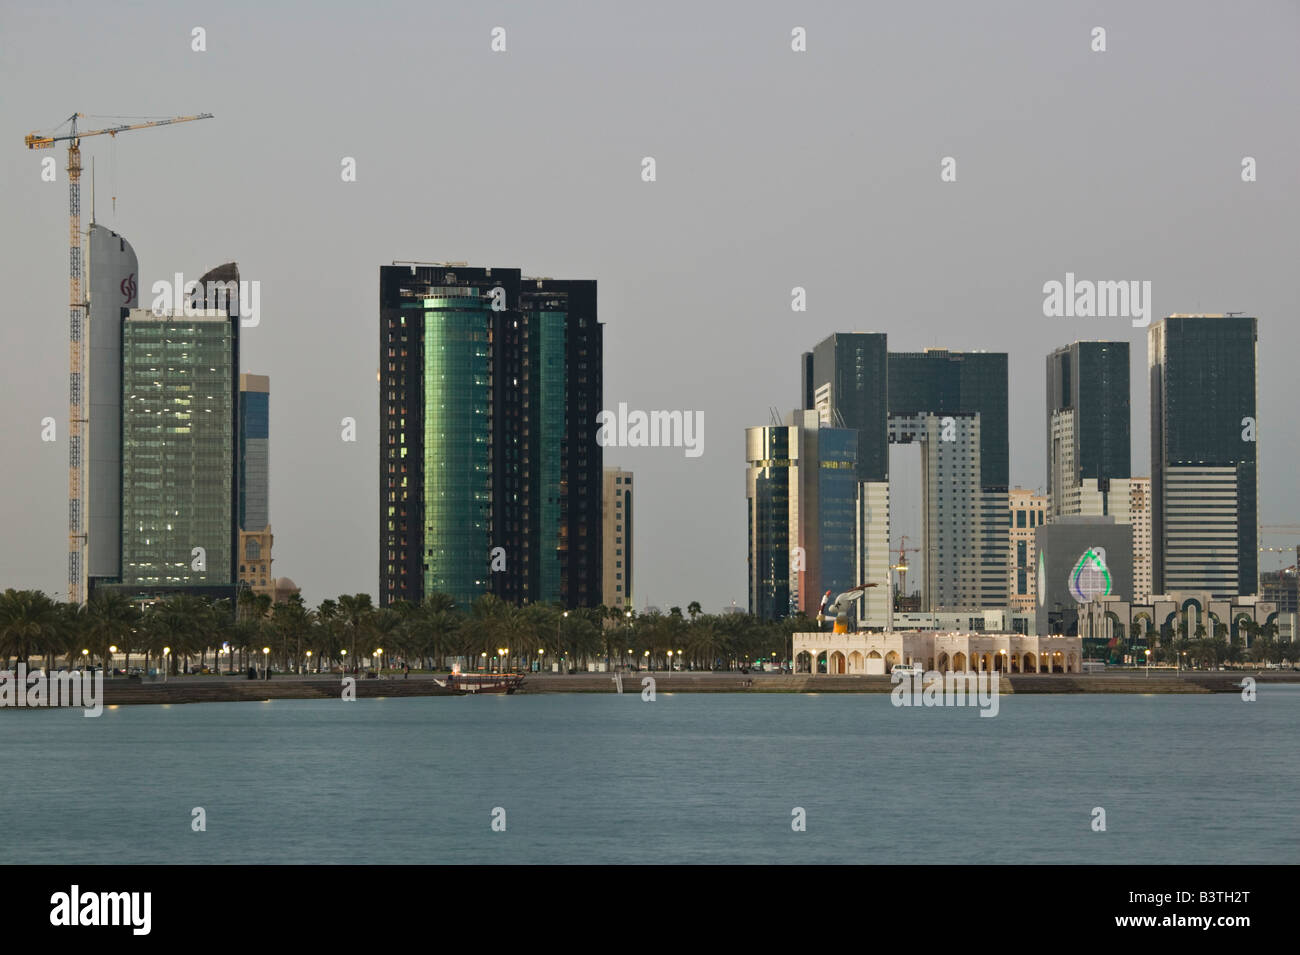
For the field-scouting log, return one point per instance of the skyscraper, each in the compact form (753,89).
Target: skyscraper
(255,538)
(180,430)
(254,452)
(490,473)
(804,508)
(1204,483)
(1028,510)
(1088,439)
(956,404)
(617,534)
(114,286)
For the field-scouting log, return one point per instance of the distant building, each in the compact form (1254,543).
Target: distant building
(1080,559)
(1280,587)
(255,560)
(1028,511)
(844,654)
(114,287)
(490,473)
(1088,429)
(1193,615)
(1139,518)
(179,432)
(1204,481)
(616,534)
(955,405)
(254,452)
(804,512)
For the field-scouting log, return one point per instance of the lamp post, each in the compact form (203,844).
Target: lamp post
(308,661)
(483,658)
(344,654)
(112,652)
(501,659)
(375,661)
(541,653)
(648,662)
(167,652)
(1148,661)
(266,661)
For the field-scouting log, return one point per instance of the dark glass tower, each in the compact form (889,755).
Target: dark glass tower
(845,378)
(490,384)
(1204,483)
(1088,417)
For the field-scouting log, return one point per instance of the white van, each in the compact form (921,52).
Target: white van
(906,668)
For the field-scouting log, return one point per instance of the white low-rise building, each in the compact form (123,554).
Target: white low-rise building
(878,652)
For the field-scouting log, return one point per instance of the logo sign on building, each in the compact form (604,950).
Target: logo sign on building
(1090,577)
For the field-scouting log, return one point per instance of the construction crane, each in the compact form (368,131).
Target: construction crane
(77,451)
(901,566)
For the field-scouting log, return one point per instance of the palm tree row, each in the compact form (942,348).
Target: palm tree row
(351,633)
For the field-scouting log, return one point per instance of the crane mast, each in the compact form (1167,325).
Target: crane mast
(77,412)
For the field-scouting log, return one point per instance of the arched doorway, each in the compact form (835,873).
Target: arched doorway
(1031,663)
(803,662)
(875,663)
(837,664)
(857,664)
(959,661)
(891,659)
(943,662)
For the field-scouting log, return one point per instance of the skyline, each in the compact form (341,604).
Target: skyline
(692,272)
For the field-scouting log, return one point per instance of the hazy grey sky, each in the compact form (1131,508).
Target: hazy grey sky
(775,169)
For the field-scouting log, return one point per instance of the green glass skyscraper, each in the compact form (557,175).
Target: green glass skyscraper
(490,474)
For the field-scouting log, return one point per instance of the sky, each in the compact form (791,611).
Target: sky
(774,169)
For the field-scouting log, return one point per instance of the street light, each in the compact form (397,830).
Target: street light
(501,659)
(541,652)
(1148,661)
(266,661)
(344,655)
(167,651)
(308,661)
(670,661)
(483,657)
(112,653)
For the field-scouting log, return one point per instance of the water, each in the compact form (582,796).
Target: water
(687,778)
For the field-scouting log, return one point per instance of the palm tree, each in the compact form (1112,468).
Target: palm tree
(693,609)
(110,620)
(30,623)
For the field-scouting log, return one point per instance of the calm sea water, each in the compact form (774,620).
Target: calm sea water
(687,778)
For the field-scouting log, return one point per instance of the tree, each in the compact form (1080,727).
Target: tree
(110,620)
(30,623)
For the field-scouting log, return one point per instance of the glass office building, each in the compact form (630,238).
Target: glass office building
(179,441)
(1088,427)
(1204,481)
(489,389)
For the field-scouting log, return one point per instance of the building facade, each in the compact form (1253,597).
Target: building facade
(616,534)
(1027,511)
(1079,559)
(955,405)
(180,429)
(804,510)
(114,286)
(1088,428)
(1204,481)
(868,654)
(490,472)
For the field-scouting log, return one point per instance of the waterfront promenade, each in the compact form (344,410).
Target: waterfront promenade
(222,688)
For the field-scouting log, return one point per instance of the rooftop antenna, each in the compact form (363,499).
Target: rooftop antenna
(92,190)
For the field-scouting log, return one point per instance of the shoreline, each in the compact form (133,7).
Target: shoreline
(221,689)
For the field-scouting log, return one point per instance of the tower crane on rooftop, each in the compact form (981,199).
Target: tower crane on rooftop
(76,331)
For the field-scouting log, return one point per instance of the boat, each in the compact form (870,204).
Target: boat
(483,682)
